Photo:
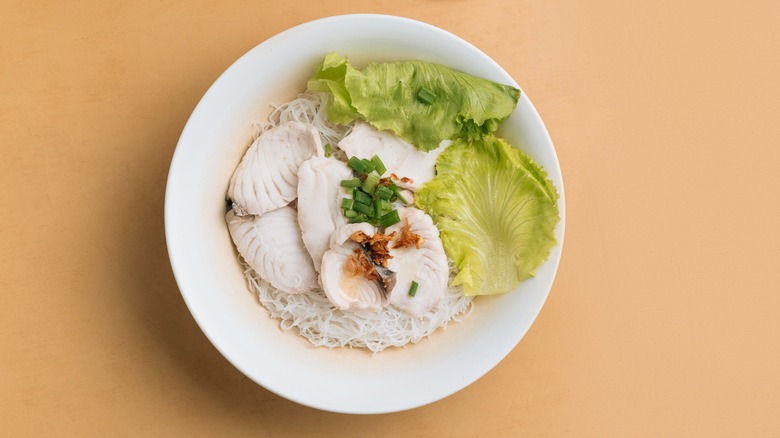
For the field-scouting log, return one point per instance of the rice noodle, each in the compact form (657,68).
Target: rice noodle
(315,318)
(309,108)
(312,315)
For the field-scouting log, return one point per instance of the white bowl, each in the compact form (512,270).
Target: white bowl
(211,281)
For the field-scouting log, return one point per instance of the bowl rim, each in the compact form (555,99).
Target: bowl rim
(176,163)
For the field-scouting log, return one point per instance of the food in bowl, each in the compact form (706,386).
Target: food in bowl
(371,209)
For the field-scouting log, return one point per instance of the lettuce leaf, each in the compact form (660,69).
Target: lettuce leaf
(329,78)
(421,102)
(496,211)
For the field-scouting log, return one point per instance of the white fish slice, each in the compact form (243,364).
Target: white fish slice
(427,265)
(398,156)
(273,247)
(319,203)
(267,177)
(347,292)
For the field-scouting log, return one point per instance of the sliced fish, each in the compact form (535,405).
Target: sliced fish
(273,247)
(427,265)
(346,291)
(319,203)
(267,177)
(399,157)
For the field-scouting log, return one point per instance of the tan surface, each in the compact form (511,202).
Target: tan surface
(663,319)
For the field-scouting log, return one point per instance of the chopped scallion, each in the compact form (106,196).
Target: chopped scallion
(362,208)
(379,165)
(357,219)
(413,289)
(356,164)
(346,203)
(426,96)
(389,219)
(362,197)
(383,193)
(397,192)
(370,183)
(368,165)
(328,150)
(351,183)
(349,214)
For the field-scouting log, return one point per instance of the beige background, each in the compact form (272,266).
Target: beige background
(664,319)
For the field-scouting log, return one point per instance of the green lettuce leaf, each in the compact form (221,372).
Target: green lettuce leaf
(329,78)
(421,102)
(496,211)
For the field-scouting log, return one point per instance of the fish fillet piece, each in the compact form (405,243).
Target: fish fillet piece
(426,265)
(267,177)
(319,203)
(273,247)
(399,157)
(346,291)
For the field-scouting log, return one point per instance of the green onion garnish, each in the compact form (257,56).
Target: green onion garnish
(397,192)
(383,193)
(371,201)
(362,208)
(389,219)
(350,183)
(357,219)
(380,166)
(362,197)
(328,150)
(426,96)
(356,164)
(370,183)
(368,165)
(413,289)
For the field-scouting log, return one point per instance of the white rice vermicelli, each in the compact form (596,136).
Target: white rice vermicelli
(322,324)
(307,108)
(311,314)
